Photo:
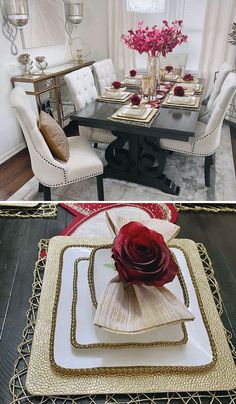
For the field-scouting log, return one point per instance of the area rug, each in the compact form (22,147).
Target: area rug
(185,171)
(41,210)
(84,211)
(17,382)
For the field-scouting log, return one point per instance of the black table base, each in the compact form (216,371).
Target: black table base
(139,159)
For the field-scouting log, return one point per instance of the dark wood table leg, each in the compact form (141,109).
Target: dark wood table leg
(138,159)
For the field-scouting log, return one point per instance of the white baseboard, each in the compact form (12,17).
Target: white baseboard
(12,152)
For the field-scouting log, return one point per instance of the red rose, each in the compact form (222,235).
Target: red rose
(179,91)
(169,69)
(116,84)
(188,77)
(133,73)
(142,257)
(135,99)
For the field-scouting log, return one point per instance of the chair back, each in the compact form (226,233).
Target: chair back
(210,140)
(81,86)
(177,60)
(28,120)
(104,74)
(224,70)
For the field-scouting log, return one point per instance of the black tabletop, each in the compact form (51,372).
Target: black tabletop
(171,123)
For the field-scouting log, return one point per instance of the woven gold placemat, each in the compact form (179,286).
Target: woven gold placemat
(211,208)
(17,383)
(42,210)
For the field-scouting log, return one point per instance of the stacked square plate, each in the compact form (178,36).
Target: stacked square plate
(135,113)
(71,356)
(191,102)
(190,88)
(116,96)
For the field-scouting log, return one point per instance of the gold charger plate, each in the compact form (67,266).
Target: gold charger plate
(43,380)
(92,288)
(182,106)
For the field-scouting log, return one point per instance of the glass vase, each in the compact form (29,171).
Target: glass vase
(153,69)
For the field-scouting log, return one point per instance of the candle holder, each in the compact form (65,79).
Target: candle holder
(41,63)
(27,63)
(16,16)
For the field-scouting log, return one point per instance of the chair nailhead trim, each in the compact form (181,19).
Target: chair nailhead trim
(192,153)
(73,181)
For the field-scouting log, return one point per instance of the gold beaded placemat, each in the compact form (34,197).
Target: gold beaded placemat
(17,383)
(208,208)
(40,210)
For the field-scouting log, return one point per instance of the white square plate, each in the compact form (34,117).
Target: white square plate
(135,112)
(87,333)
(197,351)
(173,99)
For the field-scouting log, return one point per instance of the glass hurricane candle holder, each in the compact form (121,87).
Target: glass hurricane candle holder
(41,63)
(147,86)
(17,12)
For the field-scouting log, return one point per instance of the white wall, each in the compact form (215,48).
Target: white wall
(93,30)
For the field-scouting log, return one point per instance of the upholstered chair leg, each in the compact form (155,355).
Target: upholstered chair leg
(40,187)
(207,170)
(47,193)
(100,188)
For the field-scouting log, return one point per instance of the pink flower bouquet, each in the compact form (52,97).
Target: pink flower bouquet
(155,41)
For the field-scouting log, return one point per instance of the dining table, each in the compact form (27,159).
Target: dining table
(135,155)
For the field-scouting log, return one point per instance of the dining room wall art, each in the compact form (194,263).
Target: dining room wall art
(46,24)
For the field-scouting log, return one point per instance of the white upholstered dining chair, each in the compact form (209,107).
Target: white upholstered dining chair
(83,91)
(51,172)
(104,74)
(207,136)
(207,105)
(176,60)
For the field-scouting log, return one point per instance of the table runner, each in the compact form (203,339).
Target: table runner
(17,382)
(83,211)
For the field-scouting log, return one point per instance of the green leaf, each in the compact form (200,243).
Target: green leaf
(110,266)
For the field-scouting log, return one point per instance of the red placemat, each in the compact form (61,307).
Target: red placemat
(83,211)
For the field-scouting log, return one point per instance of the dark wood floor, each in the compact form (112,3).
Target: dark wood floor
(17,171)
(18,253)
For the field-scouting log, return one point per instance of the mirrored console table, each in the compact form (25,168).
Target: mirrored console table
(49,91)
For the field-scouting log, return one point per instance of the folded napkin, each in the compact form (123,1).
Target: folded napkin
(130,309)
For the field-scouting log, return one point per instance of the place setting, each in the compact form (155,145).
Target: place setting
(115,93)
(183,97)
(137,112)
(117,317)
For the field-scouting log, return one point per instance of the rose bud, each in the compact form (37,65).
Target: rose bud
(188,77)
(135,99)
(133,73)
(169,69)
(179,91)
(142,257)
(116,84)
